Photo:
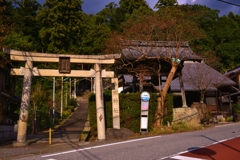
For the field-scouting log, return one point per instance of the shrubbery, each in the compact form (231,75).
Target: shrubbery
(130,111)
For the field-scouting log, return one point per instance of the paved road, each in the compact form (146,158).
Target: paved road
(166,147)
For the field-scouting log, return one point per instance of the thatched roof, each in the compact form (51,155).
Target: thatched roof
(132,50)
(200,75)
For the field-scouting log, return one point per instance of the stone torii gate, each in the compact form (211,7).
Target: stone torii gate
(64,71)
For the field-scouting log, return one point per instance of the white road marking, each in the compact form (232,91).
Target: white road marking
(94,147)
(224,125)
(186,158)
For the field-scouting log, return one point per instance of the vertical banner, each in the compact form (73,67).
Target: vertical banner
(115,104)
(145,96)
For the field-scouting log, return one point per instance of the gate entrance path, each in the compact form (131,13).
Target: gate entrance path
(72,128)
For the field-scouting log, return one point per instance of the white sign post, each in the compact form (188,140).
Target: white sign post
(145,96)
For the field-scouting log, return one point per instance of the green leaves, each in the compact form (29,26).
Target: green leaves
(165,3)
(19,41)
(95,35)
(62,23)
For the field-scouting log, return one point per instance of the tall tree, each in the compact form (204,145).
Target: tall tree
(24,33)
(227,39)
(128,6)
(62,25)
(108,16)
(205,47)
(114,15)
(6,16)
(95,35)
(25,17)
(165,3)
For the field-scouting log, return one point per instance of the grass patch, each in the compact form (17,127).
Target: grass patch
(176,128)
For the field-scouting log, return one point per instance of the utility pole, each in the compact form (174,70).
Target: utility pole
(53,109)
(61,97)
(70,88)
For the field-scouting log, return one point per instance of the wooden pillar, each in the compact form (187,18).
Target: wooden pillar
(230,103)
(220,101)
(141,79)
(134,81)
(99,103)
(216,100)
(238,80)
(184,103)
(115,104)
(25,103)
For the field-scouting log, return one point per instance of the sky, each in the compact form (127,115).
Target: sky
(94,6)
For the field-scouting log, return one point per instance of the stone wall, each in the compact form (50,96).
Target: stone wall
(185,114)
(190,114)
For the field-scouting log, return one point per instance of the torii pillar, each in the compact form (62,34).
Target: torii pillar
(99,104)
(25,103)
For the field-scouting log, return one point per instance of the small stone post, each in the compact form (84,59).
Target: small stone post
(115,104)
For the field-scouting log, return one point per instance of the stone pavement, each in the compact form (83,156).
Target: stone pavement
(67,136)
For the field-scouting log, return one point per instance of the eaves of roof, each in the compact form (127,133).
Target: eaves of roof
(233,72)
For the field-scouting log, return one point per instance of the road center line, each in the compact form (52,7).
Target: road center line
(185,158)
(100,146)
(224,125)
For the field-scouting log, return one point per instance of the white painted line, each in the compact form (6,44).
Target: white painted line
(224,125)
(185,158)
(225,140)
(105,145)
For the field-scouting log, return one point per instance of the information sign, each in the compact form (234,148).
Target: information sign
(145,96)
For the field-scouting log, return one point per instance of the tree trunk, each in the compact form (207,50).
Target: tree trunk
(159,114)
(202,95)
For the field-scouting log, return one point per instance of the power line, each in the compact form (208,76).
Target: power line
(230,3)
